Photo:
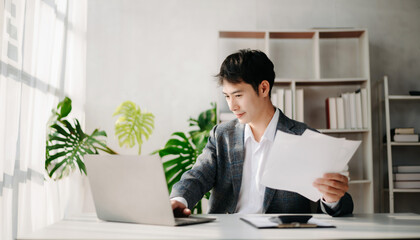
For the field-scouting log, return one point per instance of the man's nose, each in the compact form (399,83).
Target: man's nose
(232,105)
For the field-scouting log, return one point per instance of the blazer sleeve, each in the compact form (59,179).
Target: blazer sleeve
(345,206)
(201,178)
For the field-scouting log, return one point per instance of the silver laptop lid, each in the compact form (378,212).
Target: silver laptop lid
(129,189)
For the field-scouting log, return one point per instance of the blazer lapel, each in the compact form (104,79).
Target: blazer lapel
(236,157)
(285,125)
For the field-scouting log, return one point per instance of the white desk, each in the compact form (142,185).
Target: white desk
(361,226)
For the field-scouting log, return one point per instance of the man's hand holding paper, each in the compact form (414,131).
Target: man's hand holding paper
(308,164)
(332,186)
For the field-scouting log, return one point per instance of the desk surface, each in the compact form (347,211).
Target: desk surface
(362,226)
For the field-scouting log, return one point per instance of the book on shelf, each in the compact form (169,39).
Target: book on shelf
(283,99)
(407,176)
(331,109)
(407,169)
(353,114)
(406,184)
(407,130)
(359,118)
(288,104)
(280,99)
(406,138)
(340,113)
(299,105)
(365,104)
(347,118)
(349,110)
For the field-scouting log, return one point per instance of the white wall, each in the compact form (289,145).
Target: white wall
(163,54)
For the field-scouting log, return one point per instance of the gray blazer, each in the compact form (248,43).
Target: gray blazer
(219,168)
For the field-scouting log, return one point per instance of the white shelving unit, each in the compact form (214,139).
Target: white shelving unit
(390,144)
(324,63)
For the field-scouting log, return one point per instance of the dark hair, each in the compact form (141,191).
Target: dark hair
(249,66)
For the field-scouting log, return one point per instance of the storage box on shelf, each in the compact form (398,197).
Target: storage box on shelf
(319,63)
(402,178)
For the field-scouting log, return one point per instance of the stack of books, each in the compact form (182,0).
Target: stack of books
(404,135)
(283,99)
(349,111)
(407,177)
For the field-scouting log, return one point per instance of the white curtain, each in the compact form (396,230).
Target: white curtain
(43,56)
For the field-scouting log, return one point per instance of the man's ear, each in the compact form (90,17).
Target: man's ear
(264,88)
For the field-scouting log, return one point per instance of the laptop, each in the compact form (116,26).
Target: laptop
(132,189)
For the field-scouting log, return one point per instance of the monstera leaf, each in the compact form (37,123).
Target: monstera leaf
(205,122)
(185,155)
(133,125)
(183,151)
(67,144)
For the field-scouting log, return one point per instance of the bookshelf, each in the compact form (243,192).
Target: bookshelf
(324,63)
(391,145)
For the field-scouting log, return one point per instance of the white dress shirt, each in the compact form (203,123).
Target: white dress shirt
(251,195)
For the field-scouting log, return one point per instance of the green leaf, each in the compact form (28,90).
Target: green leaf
(64,107)
(173,181)
(91,140)
(197,208)
(56,138)
(207,195)
(69,127)
(82,166)
(66,143)
(200,138)
(180,134)
(50,174)
(177,142)
(172,151)
(79,129)
(60,130)
(173,171)
(97,133)
(87,150)
(57,146)
(55,156)
(170,163)
(132,126)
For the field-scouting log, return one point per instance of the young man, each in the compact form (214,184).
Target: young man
(229,162)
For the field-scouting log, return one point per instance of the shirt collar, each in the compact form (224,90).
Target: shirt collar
(270,131)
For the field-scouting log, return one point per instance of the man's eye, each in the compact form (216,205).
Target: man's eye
(238,96)
(226,96)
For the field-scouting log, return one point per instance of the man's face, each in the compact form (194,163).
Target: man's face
(243,101)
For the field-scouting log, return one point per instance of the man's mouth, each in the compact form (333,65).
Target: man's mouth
(239,115)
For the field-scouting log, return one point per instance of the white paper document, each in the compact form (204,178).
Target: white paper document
(295,162)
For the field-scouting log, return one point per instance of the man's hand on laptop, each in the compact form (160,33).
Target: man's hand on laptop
(180,210)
